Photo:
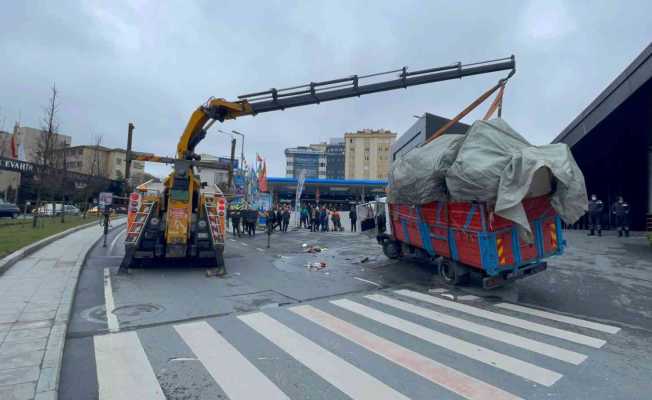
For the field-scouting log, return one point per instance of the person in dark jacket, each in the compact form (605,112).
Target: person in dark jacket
(286,219)
(235,221)
(595,212)
(279,218)
(323,219)
(353,216)
(621,210)
(250,221)
(314,219)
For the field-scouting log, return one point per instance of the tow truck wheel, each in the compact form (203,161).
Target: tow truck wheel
(448,270)
(391,249)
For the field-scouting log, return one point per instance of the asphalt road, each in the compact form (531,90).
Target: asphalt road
(362,327)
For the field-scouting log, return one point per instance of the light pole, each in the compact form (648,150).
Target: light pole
(241,147)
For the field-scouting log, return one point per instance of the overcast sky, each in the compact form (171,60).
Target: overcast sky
(154,62)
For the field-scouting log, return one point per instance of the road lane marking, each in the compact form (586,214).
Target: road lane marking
(491,333)
(561,318)
(366,281)
(509,364)
(123,370)
(238,377)
(505,319)
(109,303)
(115,240)
(354,382)
(244,244)
(442,375)
(259,249)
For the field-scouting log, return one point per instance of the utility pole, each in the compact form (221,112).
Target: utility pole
(130,134)
(233,141)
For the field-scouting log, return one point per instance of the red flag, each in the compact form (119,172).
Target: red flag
(262,179)
(14,149)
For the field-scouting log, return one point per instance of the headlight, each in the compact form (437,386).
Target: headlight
(154,221)
(201,224)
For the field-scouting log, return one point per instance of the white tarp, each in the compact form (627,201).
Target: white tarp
(491,163)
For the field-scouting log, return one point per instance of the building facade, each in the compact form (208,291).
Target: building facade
(220,174)
(30,142)
(102,161)
(367,154)
(311,158)
(335,159)
(421,131)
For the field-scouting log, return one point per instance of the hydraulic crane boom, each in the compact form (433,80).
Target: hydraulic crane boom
(318,92)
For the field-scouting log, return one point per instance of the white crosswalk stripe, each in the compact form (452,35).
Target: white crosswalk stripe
(495,334)
(231,370)
(505,319)
(453,380)
(512,365)
(561,318)
(124,370)
(341,374)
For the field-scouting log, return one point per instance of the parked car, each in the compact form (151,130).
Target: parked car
(55,209)
(8,209)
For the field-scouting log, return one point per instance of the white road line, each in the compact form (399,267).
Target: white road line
(109,304)
(123,370)
(505,319)
(561,318)
(115,240)
(244,244)
(468,297)
(354,382)
(442,375)
(259,249)
(366,281)
(491,333)
(238,377)
(509,364)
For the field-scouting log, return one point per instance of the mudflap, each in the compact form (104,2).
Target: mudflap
(492,282)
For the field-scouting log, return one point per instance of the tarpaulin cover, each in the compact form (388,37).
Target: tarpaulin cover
(491,163)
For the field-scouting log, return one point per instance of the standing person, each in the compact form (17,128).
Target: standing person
(279,218)
(335,217)
(323,219)
(314,217)
(595,211)
(235,221)
(286,218)
(353,216)
(304,216)
(621,210)
(251,218)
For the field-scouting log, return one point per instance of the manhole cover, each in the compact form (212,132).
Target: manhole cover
(135,312)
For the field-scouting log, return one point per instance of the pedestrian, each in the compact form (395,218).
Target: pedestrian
(304,216)
(286,218)
(323,219)
(335,217)
(353,216)
(621,210)
(235,221)
(314,218)
(595,211)
(251,219)
(279,217)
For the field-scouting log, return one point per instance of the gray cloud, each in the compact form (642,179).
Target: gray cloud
(153,62)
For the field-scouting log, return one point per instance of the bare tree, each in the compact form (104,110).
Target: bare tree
(48,148)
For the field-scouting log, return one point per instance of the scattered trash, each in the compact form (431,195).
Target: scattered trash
(215,272)
(313,249)
(316,266)
(437,290)
(448,295)
(364,260)
(304,245)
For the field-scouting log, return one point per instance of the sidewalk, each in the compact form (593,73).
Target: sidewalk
(36,295)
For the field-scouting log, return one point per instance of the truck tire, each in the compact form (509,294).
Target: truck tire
(391,249)
(451,272)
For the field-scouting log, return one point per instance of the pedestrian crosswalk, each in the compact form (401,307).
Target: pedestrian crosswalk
(392,344)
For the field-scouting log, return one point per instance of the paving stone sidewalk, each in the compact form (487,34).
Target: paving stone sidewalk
(36,295)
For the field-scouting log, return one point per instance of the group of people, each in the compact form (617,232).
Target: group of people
(243,220)
(324,218)
(278,217)
(620,210)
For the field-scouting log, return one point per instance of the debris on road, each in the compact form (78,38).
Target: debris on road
(313,249)
(316,266)
(364,260)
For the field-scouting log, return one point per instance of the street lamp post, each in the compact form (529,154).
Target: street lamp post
(241,147)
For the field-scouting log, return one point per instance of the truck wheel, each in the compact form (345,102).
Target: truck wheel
(391,249)
(449,271)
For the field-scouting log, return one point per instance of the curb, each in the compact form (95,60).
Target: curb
(19,254)
(47,386)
